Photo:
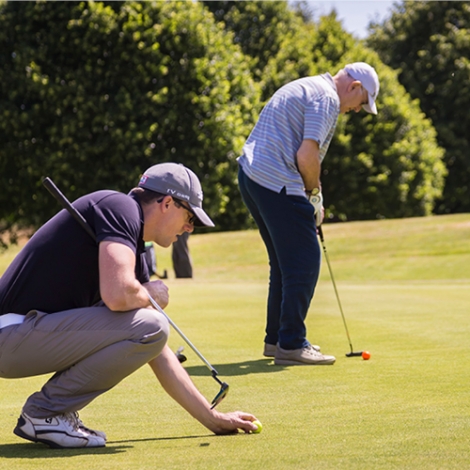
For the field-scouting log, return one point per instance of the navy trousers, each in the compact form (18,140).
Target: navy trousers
(287,227)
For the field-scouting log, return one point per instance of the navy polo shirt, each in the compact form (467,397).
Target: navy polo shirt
(58,268)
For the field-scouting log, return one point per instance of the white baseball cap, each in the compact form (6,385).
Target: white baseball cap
(179,182)
(370,81)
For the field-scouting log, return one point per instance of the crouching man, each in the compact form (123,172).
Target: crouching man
(79,308)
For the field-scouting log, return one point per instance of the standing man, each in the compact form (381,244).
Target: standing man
(80,308)
(182,262)
(279,178)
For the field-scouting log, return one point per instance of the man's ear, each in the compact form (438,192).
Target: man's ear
(166,203)
(353,85)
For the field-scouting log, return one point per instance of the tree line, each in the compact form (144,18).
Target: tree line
(93,93)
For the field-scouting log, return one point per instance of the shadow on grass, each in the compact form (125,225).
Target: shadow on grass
(156,439)
(260,366)
(41,451)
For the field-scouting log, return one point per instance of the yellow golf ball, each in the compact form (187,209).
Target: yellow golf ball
(259,425)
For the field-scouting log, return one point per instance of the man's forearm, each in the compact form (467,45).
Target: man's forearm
(309,165)
(177,383)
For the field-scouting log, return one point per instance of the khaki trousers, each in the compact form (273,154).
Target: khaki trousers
(89,349)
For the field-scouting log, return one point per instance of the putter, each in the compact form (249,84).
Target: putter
(179,354)
(162,276)
(66,204)
(351,353)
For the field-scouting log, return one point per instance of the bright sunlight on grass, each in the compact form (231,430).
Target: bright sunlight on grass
(404,286)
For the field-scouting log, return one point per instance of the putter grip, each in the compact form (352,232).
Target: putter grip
(55,191)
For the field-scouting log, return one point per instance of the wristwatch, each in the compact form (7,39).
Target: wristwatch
(312,192)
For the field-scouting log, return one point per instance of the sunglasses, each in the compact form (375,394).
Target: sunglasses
(192,218)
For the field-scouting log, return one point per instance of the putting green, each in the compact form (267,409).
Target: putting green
(404,286)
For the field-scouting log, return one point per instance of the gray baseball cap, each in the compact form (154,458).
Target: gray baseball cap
(174,179)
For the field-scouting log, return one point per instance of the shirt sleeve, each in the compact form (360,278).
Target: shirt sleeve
(118,219)
(320,120)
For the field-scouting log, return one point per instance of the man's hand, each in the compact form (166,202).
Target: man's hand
(177,383)
(159,292)
(230,423)
(317,202)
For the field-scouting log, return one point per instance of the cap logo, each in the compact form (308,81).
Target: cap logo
(177,194)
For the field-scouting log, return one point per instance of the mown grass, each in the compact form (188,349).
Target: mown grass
(404,286)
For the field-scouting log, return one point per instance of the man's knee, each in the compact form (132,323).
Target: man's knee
(155,326)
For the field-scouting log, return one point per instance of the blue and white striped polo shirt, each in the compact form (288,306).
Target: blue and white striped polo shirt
(307,108)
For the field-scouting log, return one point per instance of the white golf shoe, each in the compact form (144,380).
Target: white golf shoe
(303,356)
(91,431)
(59,432)
(270,349)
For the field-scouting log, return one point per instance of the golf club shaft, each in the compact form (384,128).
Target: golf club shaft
(55,191)
(320,233)
(66,204)
(185,338)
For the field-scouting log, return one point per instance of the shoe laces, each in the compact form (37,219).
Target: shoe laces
(73,420)
(312,350)
(82,426)
(79,422)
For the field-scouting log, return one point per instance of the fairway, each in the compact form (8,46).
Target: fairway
(404,287)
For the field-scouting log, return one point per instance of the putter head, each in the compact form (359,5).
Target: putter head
(179,354)
(354,354)
(221,395)
(181,357)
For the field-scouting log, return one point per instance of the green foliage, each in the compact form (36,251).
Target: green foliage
(94,95)
(381,166)
(259,27)
(273,35)
(429,42)
(332,42)
(387,165)
(377,166)
(95,92)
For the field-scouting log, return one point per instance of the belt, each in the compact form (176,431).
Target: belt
(9,319)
